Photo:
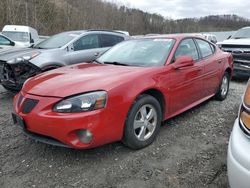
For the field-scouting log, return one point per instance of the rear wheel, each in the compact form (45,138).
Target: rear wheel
(224,87)
(142,123)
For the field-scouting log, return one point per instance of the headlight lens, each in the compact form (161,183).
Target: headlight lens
(82,103)
(244,114)
(24,58)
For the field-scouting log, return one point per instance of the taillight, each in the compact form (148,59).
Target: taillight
(244,114)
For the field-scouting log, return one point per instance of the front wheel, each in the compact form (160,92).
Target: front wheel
(224,87)
(142,123)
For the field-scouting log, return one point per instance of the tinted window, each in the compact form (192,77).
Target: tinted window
(110,40)
(4,41)
(205,48)
(141,52)
(87,42)
(187,48)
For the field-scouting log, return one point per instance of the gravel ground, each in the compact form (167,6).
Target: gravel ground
(190,151)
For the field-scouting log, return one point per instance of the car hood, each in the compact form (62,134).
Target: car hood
(9,54)
(71,80)
(245,41)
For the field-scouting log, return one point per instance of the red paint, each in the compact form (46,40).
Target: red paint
(182,89)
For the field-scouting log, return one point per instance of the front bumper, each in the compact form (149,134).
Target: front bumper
(241,69)
(238,159)
(60,129)
(13,76)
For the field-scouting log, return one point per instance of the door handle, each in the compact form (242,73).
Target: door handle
(220,62)
(96,54)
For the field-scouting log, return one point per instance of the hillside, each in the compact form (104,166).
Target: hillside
(53,16)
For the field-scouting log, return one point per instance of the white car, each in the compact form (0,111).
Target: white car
(238,159)
(24,36)
(210,37)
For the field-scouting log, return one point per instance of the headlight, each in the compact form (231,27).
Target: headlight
(82,103)
(244,114)
(24,58)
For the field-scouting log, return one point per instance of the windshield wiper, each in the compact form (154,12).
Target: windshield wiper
(115,63)
(96,61)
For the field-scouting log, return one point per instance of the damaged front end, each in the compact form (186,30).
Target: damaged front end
(13,75)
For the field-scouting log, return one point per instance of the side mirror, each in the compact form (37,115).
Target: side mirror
(12,43)
(183,61)
(32,41)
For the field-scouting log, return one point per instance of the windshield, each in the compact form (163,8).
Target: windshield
(56,41)
(17,36)
(141,52)
(242,33)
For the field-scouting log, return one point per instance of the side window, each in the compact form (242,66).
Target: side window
(187,48)
(110,40)
(4,41)
(205,48)
(86,42)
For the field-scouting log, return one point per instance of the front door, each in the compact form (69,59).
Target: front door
(186,85)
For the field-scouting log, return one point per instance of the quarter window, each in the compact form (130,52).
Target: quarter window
(205,48)
(87,42)
(187,48)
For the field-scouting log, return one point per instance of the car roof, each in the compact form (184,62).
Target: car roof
(80,32)
(174,36)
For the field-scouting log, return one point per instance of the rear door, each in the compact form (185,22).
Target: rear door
(212,66)
(109,40)
(186,83)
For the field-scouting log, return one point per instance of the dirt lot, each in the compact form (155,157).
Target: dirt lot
(190,151)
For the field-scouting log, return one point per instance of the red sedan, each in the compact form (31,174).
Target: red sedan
(125,94)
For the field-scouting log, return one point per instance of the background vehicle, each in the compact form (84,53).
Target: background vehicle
(6,43)
(238,159)
(210,37)
(22,35)
(62,49)
(125,94)
(239,45)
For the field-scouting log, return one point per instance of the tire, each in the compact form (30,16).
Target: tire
(224,87)
(10,89)
(140,131)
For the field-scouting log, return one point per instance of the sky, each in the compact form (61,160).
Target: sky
(189,8)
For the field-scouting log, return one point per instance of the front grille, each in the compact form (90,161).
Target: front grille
(235,46)
(29,105)
(19,100)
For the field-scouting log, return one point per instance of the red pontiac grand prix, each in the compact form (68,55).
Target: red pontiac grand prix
(125,94)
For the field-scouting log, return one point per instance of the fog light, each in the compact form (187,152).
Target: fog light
(85,136)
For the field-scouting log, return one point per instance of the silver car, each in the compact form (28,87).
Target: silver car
(238,158)
(17,65)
